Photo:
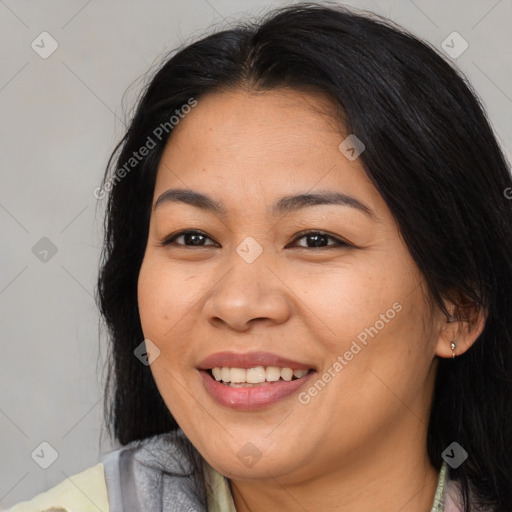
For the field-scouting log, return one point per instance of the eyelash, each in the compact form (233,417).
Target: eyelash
(339,243)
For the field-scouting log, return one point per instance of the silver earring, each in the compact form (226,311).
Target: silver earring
(453,349)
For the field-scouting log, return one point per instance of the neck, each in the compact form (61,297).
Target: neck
(394,477)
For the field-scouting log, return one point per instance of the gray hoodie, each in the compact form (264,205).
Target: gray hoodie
(156,474)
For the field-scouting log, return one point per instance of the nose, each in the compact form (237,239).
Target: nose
(248,294)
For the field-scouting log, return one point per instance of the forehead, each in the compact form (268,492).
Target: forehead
(242,123)
(242,145)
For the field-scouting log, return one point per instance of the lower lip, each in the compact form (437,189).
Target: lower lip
(252,397)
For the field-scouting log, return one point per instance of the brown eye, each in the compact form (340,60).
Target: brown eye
(192,238)
(319,239)
(195,238)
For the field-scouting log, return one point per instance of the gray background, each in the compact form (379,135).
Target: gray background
(60,118)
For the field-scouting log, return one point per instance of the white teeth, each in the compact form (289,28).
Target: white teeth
(238,375)
(256,375)
(273,373)
(286,374)
(226,374)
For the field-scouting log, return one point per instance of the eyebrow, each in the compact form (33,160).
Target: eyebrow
(286,204)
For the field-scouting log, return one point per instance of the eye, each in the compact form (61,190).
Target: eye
(195,237)
(317,238)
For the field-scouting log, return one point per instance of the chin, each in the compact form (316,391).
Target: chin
(251,467)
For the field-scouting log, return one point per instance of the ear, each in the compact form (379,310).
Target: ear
(465,324)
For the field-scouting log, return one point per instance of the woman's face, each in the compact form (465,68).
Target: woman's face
(326,287)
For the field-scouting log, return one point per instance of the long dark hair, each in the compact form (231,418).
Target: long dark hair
(431,154)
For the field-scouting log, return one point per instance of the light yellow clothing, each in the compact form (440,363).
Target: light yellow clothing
(83,492)
(218,493)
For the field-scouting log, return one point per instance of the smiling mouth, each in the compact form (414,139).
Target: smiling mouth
(256,376)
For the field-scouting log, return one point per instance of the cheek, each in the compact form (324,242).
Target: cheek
(165,296)
(375,318)
(344,301)
(151,296)
(163,306)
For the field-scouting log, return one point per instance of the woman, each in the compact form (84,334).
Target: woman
(307,279)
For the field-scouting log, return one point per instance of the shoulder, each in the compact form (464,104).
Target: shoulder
(138,476)
(82,492)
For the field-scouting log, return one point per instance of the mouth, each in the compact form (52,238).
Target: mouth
(252,381)
(256,376)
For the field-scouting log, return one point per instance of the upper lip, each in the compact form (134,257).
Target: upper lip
(250,360)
